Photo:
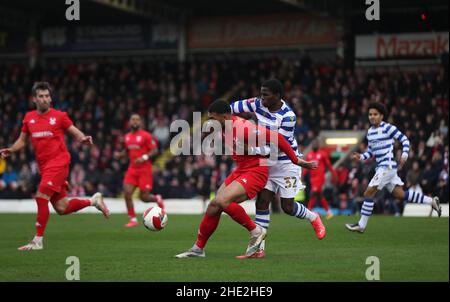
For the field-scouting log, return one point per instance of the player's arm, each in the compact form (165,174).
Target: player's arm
(120,154)
(286,128)
(247,105)
(79,136)
(394,133)
(19,144)
(364,156)
(149,155)
(286,148)
(328,165)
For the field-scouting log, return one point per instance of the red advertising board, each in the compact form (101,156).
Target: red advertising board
(261,31)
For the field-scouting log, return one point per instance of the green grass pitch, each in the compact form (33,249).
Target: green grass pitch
(409,249)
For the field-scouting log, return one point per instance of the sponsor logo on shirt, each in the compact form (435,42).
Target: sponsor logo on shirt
(134,147)
(42,134)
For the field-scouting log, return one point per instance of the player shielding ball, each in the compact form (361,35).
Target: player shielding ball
(242,184)
(273,113)
(141,148)
(46,127)
(380,138)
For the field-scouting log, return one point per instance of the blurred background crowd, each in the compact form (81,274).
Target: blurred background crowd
(100,96)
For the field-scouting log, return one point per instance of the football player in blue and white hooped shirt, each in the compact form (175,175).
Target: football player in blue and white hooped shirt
(284,177)
(380,138)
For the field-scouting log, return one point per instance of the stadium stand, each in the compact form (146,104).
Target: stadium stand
(324,95)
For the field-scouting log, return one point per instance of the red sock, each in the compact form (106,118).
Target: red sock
(324,204)
(311,203)
(43,214)
(207,228)
(240,216)
(131,213)
(76,205)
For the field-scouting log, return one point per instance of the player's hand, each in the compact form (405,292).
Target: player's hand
(356,156)
(87,140)
(4,153)
(117,155)
(307,164)
(140,160)
(402,162)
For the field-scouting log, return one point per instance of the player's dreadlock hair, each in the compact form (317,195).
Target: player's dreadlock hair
(379,107)
(219,106)
(274,86)
(41,86)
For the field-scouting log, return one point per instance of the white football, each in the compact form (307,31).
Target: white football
(155,219)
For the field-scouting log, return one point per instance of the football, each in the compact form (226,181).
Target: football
(155,219)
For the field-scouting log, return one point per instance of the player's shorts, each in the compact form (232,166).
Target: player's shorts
(53,180)
(285,178)
(253,180)
(141,178)
(386,178)
(61,195)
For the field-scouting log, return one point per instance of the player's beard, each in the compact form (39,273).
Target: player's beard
(135,127)
(42,108)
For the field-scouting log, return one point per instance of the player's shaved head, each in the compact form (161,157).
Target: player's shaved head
(219,106)
(274,86)
(135,122)
(271,93)
(135,116)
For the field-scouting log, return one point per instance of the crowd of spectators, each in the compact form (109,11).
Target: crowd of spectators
(100,95)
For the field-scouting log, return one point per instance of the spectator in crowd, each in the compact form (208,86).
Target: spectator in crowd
(99,94)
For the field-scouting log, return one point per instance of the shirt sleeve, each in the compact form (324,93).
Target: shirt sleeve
(394,133)
(282,143)
(66,121)
(366,155)
(25,127)
(151,142)
(247,105)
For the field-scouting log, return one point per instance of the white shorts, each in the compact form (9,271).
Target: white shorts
(386,178)
(286,179)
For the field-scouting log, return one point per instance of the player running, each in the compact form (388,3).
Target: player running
(46,127)
(380,138)
(317,177)
(243,183)
(284,177)
(141,148)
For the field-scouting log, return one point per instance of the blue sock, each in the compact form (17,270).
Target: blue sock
(416,197)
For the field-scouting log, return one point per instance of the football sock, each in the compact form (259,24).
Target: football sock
(75,205)
(207,228)
(300,211)
(324,204)
(43,213)
(262,219)
(240,216)
(131,213)
(366,212)
(416,197)
(311,203)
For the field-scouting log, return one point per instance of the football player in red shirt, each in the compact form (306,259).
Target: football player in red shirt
(318,177)
(243,183)
(141,148)
(46,127)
